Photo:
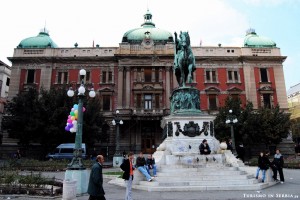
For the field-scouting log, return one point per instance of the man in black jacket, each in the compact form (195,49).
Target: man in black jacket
(127,167)
(278,166)
(95,188)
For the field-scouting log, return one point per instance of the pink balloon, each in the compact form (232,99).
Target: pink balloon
(83,109)
(69,121)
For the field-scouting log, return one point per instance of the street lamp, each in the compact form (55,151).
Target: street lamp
(117,122)
(231,120)
(76,162)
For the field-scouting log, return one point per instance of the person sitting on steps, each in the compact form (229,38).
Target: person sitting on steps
(141,166)
(151,164)
(204,148)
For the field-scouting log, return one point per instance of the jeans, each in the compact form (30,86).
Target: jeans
(153,168)
(128,189)
(263,173)
(143,170)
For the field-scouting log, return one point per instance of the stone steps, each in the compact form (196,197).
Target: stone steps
(240,187)
(202,178)
(188,183)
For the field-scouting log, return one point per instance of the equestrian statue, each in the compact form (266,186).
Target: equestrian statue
(184,60)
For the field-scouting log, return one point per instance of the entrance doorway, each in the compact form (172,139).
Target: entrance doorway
(148,133)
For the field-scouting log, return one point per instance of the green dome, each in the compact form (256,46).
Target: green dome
(253,40)
(42,40)
(148,30)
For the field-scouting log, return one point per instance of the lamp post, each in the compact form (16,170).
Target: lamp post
(231,120)
(76,162)
(117,121)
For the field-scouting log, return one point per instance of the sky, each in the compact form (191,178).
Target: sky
(104,22)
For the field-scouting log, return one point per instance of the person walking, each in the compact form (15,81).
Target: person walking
(95,187)
(151,164)
(127,167)
(141,166)
(278,166)
(263,165)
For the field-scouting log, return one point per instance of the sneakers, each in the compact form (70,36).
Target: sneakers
(281,182)
(256,177)
(149,180)
(262,181)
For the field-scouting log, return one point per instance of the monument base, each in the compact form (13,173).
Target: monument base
(81,177)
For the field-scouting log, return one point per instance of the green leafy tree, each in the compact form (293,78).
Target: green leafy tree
(42,117)
(222,130)
(267,126)
(24,112)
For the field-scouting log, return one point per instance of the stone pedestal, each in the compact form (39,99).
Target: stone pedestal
(81,177)
(186,132)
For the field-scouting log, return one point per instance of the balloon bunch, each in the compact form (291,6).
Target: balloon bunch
(72,119)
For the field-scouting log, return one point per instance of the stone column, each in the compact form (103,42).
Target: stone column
(14,87)
(127,89)
(120,87)
(46,74)
(168,89)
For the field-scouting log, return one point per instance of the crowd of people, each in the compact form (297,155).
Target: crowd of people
(276,165)
(147,165)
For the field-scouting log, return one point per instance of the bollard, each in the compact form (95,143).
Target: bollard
(69,190)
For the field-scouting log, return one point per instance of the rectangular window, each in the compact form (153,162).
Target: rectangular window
(65,77)
(147,74)
(88,76)
(110,77)
(156,75)
(30,76)
(138,101)
(267,100)
(62,77)
(148,101)
(7,81)
(263,75)
(211,76)
(212,98)
(106,103)
(104,77)
(157,101)
(233,76)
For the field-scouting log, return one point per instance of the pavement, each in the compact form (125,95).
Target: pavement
(290,189)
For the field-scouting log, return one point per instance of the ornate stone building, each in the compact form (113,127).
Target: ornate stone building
(137,77)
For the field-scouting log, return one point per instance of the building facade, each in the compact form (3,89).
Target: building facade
(5,72)
(137,77)
(293,95)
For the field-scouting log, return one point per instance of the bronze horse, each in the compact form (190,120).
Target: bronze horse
(184,60)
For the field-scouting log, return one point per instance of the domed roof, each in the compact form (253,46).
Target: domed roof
(42,40)
(148,30)
(253,40)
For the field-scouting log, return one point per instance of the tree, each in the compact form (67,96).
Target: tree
(42,117)
(267,126)
(24,112)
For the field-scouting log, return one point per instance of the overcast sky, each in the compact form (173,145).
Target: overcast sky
(105,22)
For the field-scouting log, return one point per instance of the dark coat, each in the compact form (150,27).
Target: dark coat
(140,161)
(125,166)
(202,147)
(150,162)
(278,161)
(263,162)
(95,187)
